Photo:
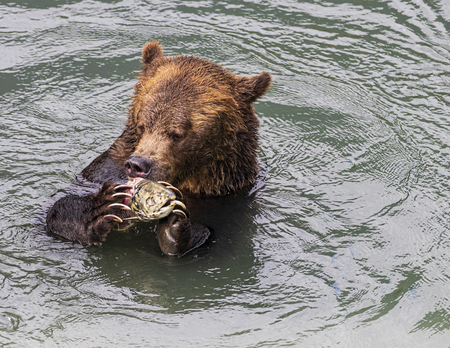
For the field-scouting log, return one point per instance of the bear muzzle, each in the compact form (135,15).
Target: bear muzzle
(138,167)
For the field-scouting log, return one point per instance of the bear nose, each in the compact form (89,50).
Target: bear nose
(138,166)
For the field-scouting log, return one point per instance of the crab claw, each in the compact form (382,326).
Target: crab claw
(120,205)
(113,218)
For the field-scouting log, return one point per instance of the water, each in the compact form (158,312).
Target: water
(346,243)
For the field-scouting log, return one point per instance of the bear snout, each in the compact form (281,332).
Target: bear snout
(138,166)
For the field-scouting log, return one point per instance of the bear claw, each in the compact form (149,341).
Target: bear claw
(169,186)
(123,186)
(120,205)
(113,218)
(179,212)
(122,194)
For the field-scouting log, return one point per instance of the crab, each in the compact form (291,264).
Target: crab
(147,200)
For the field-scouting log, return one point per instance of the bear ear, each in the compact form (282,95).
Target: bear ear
(151,51)
(251,88)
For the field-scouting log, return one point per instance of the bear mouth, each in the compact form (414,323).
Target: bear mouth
(132,182)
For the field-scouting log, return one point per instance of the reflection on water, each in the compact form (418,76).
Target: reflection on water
(346,240)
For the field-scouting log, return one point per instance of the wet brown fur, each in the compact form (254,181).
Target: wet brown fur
(195,121)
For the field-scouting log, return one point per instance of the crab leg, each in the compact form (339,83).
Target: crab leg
(132,218)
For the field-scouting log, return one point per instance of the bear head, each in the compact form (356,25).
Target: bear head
(192,123)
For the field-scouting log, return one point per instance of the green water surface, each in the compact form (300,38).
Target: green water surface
(346,241)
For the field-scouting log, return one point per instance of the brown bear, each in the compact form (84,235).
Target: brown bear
(191,123)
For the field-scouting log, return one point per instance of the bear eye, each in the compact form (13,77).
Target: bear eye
(141,129)
(176,136)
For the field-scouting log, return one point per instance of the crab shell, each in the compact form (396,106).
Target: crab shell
(152,201)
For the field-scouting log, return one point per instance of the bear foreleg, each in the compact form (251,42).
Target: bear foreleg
(177,235)
(85,219)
